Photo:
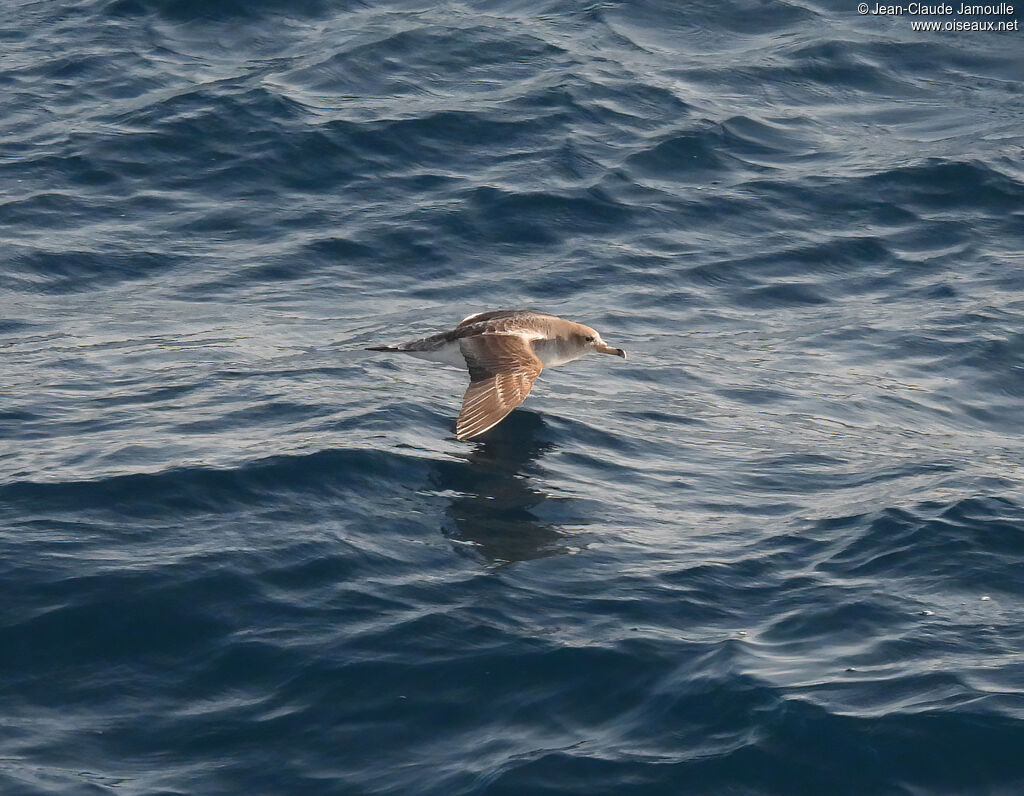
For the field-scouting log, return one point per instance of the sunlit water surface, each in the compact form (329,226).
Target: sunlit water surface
(779,550)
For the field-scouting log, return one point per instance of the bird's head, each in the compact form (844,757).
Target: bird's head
(591,339)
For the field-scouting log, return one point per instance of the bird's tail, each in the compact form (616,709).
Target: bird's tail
(383,348)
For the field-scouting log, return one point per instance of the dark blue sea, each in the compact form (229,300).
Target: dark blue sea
(779,550)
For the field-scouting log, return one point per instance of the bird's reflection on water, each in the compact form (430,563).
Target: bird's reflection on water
(493,514)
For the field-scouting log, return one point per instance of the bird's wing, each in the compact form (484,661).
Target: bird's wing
(504,320)
(502,369)
(492,315)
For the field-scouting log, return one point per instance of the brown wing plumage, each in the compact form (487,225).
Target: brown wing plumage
(502,369)
(501,322)
(500,315)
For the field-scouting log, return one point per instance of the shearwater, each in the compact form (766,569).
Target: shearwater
(505,351)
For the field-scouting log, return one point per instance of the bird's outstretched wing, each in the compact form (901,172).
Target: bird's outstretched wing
(502,369)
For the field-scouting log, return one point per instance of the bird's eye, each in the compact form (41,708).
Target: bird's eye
(590,339)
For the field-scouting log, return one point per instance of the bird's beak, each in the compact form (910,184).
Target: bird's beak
(607,349)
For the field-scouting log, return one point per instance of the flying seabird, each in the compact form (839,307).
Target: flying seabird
(505,351)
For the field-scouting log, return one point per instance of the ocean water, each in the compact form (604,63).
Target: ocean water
(779,550)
